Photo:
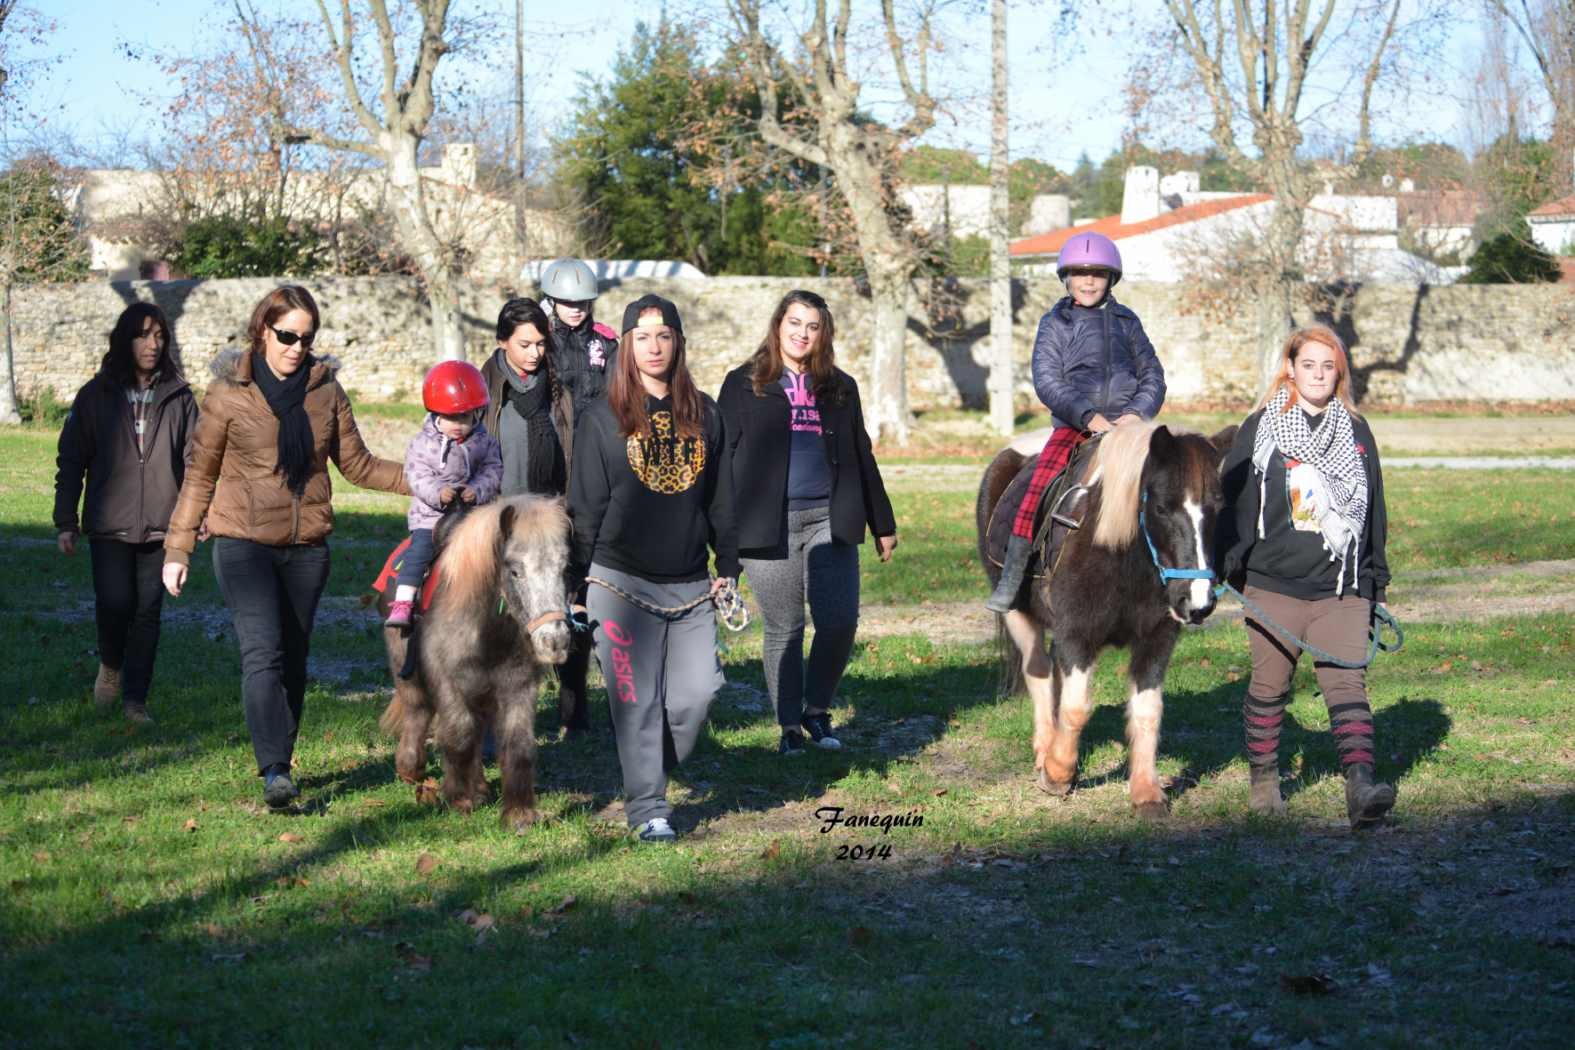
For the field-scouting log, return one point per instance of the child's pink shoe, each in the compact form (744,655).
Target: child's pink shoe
(398,614)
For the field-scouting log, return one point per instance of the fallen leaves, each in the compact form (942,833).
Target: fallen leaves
(773,851)
(190,825)
(427,792)
(290,836)
(411,958)
(860,937)
(426,864)
(1308,984)
(42,856)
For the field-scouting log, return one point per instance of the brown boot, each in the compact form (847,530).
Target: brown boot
(1366,801)
(106,688)
(138,713)
(1265,796)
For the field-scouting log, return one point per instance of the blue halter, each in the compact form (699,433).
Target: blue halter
(1166,575)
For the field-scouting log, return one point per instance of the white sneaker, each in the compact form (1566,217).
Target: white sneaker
(656,830)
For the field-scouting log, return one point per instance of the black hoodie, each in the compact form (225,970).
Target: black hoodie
(649,505)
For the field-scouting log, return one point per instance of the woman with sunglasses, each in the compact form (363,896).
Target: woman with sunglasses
(273,417)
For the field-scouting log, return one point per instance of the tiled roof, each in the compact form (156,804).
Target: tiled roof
(1112,227)
(1440,207)
(1558,209)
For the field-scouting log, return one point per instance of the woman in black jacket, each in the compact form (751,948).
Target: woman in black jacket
(129,432)
(1303,534)
(806,486)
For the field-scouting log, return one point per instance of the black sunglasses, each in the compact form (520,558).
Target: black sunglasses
(289,338)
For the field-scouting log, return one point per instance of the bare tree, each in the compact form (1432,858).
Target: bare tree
(394,123)
(1002,372)
(825,126)
(1253,59)
(1548,29)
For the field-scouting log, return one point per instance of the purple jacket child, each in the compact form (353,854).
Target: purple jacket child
(434,462)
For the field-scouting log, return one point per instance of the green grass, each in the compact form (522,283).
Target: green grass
(150,900)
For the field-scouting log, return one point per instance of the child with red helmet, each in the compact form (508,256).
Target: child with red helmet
(1094,368)
(453,457)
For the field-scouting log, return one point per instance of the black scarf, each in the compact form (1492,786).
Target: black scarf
(287,398)
(545,470)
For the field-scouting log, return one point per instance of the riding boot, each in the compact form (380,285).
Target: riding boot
(1266,791)
(1366,800)
(1012,573)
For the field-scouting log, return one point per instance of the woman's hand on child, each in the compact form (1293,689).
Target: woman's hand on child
(1128,418)
(1097,424)
(467,494)
(445,495)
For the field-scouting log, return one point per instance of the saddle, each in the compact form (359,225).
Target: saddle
(383,585)
(1059,511)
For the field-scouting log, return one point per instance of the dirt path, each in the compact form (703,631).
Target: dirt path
(1477,593)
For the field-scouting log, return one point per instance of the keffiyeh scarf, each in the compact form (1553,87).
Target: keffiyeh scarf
(1340,502)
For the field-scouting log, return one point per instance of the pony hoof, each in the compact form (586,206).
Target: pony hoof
(408,776)
(1151,810)
(520,820)
(462,805)
(1054,788)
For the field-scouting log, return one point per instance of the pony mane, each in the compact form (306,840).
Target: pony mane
(470,555)
(1118,462)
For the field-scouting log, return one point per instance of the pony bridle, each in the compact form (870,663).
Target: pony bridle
(550,616)
(1167,574)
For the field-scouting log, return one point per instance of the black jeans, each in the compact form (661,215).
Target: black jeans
(272,593)
(128,596)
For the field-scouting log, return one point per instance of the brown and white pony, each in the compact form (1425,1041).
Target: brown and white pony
(497,622)
(1107,589)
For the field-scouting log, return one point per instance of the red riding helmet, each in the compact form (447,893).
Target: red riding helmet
(453,387)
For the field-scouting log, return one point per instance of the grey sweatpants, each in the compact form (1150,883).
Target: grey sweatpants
(810,565)
(662,674)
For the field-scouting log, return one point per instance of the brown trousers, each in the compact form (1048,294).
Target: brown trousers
(1338,626)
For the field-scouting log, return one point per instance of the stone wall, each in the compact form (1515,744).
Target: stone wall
(1409,344)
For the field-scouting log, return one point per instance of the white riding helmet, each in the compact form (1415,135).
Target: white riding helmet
(569,281)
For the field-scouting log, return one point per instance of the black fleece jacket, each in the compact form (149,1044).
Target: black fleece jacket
(758,448)
(649,505)
(1286,561)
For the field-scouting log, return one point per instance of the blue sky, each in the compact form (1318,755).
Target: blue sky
(1065,93)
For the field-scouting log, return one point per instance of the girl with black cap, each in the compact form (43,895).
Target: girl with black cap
(648,497)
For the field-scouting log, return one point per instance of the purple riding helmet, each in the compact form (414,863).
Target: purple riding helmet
(1089,249)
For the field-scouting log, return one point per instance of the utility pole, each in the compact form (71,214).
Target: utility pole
(1002,380)
(519,130)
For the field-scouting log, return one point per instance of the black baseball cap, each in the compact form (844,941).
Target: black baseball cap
(632,312)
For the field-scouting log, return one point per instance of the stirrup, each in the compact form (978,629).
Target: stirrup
(1063,516)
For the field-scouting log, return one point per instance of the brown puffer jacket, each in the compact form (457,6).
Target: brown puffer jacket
(237,447)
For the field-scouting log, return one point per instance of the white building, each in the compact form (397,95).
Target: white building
(1553,225)
(1166,224)
(964,209)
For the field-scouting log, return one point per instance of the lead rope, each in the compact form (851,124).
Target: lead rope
(730,607)
(1382,618)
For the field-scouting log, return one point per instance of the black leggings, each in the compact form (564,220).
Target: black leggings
(128,596)
(272,593)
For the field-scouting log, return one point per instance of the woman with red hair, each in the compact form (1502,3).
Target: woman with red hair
(1302,536)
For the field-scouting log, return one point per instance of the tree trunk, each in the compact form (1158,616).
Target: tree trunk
(521,247)
(407,199)
(1002,370)
(9,415)
(886,405)
(1282,278)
